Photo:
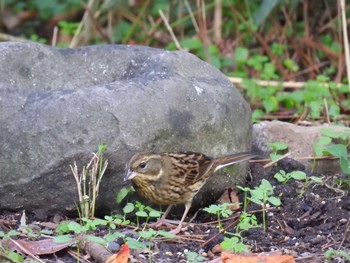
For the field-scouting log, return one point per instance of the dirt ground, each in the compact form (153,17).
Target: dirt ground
(310,221)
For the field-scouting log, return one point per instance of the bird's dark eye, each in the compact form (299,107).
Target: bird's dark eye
(143,165)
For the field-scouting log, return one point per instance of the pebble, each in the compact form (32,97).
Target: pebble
(343,221)
(113,246)
(169,253)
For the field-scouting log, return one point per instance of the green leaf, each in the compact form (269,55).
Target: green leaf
(128,208)
(290,65)
(315,108)
(257,113)
(244,189)
(99,222)
(147,234)
(241,55)
(274,200)
(275,156)
(318,149)
(15,257)
(344,165)
(270,104)
(298,175)
(277,146)
(212,209)
(155,213)
(113,236)
(337,150)
(281,178)
(121,195)
(141,214)
(62,239)
(75,227)
(265,185)
(330,133)
(324,140)
(256,200)
(13,233)
(257,195)
(134,244)
(46,232)
(233,244)
(191,44)
(63,228)
(265,9)
(194,257)
(97,240)
(165,234)
(334,110)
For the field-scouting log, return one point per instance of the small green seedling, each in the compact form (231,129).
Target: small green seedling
(332,254)
(325,146)
(262,195)
(220,211)
(194,257)
(123,193)
(234,244)
(276,148)
(150,235)
(145,212)
(284,177)
(246,222)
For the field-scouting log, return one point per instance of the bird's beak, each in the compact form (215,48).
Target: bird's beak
(129,175)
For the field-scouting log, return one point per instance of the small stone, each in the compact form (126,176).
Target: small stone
(343,221)
(169,253)
(113,246)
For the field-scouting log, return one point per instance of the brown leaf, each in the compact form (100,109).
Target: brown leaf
(230,196)
(41,247)
(234,258)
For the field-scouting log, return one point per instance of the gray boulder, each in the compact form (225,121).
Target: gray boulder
(58,105)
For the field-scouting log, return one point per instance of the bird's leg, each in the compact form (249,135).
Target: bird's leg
(179,227)
(162,220)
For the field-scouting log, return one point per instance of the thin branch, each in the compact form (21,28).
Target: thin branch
(345,39)
(177,44)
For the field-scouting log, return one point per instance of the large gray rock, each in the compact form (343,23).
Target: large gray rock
(58,105)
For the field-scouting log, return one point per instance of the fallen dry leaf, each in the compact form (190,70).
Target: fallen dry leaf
(230,196)
(41,247)
(121,257)
(233,258)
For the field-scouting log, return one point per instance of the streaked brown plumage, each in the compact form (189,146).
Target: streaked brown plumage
(175,178)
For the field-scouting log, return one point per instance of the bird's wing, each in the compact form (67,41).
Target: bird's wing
(190,167)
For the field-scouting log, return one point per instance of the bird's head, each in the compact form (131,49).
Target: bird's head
(145,166)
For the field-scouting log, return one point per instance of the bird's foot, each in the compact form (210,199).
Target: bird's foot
(159,223)
(178,229)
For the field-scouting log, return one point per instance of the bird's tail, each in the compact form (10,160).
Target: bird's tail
(233,158)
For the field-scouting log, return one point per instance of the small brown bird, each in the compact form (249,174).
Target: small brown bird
(175,178)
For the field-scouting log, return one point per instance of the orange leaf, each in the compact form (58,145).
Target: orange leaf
(121,257)
(234,258)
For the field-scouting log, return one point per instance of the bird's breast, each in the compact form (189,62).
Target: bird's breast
(167,194)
